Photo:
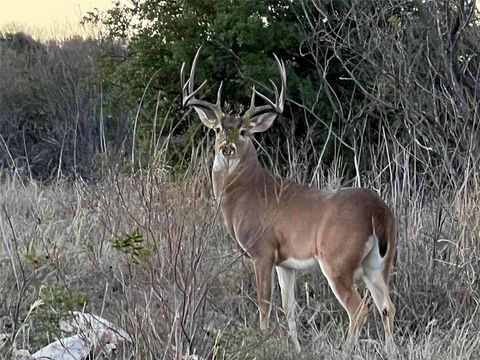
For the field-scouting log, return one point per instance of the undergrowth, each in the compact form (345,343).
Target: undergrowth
(149,252)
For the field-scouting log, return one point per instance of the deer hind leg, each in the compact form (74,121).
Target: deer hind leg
(376,278)
(263,278)
(379,290)
(286,278)
(344,289)
(359,318)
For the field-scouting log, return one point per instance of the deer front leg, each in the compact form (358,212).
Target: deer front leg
(263,278)
(286,279)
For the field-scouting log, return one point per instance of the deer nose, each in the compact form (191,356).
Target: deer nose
(227,149)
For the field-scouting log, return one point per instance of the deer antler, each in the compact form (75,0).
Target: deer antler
(189,93)
(278,105)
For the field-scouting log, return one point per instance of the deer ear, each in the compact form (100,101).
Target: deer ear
(262,122)
(208,117)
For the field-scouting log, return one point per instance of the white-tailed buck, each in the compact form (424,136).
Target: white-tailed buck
(288,226)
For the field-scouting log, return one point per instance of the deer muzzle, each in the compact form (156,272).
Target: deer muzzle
(228,149)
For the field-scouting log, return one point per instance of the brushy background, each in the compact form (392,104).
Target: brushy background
(105,196)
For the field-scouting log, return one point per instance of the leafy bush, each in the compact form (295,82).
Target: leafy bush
(239,38)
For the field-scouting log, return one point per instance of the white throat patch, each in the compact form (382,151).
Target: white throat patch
(221,163)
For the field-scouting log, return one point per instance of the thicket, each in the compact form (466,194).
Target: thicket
(357,71)
(49,106)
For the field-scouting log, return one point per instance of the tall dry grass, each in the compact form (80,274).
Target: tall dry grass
(182,287)
(54,121)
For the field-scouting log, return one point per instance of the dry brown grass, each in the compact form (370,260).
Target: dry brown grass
(186,289)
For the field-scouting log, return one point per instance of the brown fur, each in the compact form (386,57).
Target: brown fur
(274,219)
(299,221)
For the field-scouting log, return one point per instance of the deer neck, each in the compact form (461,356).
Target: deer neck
(228,178)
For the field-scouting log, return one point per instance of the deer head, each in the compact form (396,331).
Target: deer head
(233,133)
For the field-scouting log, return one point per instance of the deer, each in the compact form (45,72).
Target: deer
(287,226)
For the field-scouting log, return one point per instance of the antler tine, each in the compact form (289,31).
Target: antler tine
(270,102)
(254,110)
(189,93)
(187,97)
(283,79)
(219,95)
(252,100)
(192,71)
(274,88)
(182,83)
(279,103)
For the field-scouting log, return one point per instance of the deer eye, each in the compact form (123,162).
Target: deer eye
(243,132)
(217,130)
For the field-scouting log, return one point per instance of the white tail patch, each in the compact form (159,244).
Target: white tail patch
(373,264)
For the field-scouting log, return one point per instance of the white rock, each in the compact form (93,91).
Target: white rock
(97,329)
(93,333)
(69,348)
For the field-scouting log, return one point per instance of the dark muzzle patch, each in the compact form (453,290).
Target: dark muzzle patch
(227,150)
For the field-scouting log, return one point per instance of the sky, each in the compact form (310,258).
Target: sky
(51,17)
(47,15)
